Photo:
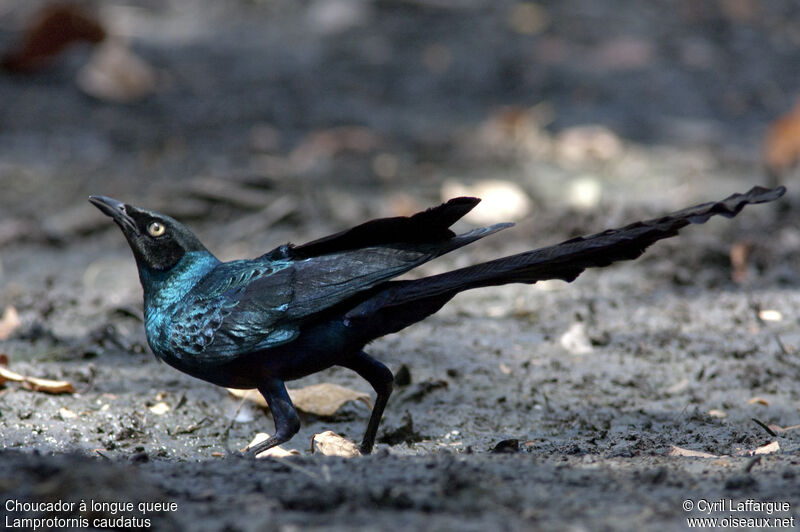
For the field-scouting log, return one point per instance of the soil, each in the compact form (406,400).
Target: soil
(555,406)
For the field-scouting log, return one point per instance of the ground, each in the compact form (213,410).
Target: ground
(275,121)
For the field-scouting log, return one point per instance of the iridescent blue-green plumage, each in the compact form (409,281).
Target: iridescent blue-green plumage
(300,309)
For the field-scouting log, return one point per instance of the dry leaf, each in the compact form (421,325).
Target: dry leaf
(8,375)
(33,383)
(772,447)
(278,452)
(329,443)
(679,451)
(8,322)
(249,395)
(777,429)
(274,452)
(758,401)
(160,408)
(323,399)
(116,74)
(47,385)
(51,30)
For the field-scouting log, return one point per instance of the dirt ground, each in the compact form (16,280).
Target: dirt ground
(276,121)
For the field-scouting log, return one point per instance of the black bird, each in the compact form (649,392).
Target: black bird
(300,309)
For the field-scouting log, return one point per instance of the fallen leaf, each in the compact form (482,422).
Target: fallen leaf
(8,322)
(8,375)
(33,383)
(47,385)
(278,452)
(249,395)
(758,401)
(160,408)
(274,452)
(115,74)
(51,30)
(329,443)
(779,430)
(323,399)
(679,451)
(772,447)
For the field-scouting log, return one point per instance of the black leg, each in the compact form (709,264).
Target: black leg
(382,381)
(287,422)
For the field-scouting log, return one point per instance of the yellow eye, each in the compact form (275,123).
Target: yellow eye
(156,229)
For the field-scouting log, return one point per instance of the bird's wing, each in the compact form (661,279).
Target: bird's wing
(220,317)
(246,306)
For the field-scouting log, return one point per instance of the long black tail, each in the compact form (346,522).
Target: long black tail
(400,301)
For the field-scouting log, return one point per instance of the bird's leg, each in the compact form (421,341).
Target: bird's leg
(287,422)
(381,379)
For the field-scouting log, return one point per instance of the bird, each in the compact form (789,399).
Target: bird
(299,309)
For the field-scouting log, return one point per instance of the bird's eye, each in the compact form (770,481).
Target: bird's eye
(156,229)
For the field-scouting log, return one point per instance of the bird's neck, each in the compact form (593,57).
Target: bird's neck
(164,288)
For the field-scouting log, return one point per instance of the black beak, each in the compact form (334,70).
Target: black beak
(115,209)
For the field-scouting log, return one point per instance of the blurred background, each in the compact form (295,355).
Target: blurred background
(258,122)
(328,111)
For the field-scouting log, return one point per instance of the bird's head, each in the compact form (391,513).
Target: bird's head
(158,242)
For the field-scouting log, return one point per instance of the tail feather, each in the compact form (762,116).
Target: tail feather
(565,261)
(429,226)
